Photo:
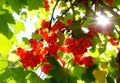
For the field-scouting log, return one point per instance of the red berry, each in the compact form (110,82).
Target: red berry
(45,68)
(109,1)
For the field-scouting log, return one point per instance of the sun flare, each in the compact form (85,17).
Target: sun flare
(102,20)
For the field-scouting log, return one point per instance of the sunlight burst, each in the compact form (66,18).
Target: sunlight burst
(102,20)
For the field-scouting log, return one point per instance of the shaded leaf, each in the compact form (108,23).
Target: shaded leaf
(59,73)
(53,61)
(34,4)
(49,79)
(4,29)
(8,17)
(116,2)
(24,2)
(76,31)
(110,79)
(16,5)
(88,76)
(72,79)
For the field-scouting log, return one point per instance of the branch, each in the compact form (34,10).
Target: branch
(69,62)
(75,3)
(88,10)
(72,7)
(117,30)
(53,14)
(110,9)
(85,17)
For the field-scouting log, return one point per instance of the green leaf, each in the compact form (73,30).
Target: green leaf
(75,74)
(60,53)
(10,81)
(66,18)
(25,40)
(95,40)
(32,13)
(4,76)
(13,57)
(41,14)
(3,63)
(33,78)
(17,74)
(67,57)
(109,53)
(34,4)
(78,71)
(2,2)
(61,38)
(94,53)
(101,50)
(18,26)
(113,67)
(88,21)
(36,36)
(5,45)
(23,16)
(99,75)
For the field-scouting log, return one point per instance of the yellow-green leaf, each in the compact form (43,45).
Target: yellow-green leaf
(19,26)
